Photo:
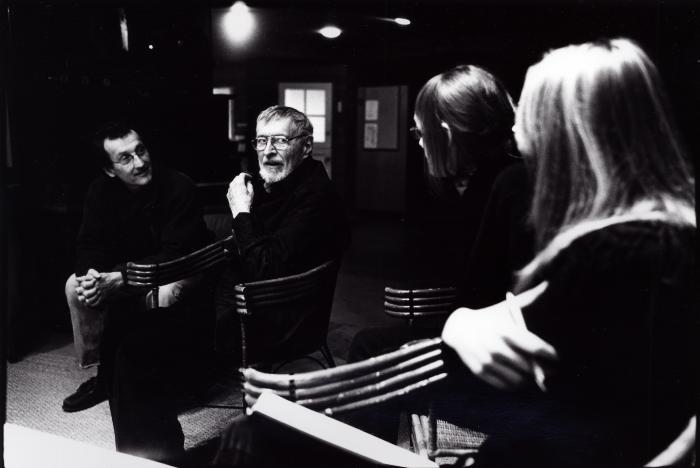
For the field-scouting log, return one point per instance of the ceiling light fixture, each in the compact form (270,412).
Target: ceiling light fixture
(402,21)
(330,32)
(239,22)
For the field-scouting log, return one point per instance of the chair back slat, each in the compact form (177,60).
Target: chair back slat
(357,385)
(158,274)
(405,301)
(441,306)
(159,278)
(384,397)
(314,378)
(275,297)
(414,303)
(286,316)
(396,382)
(201,253)
(420,292)
(191,269)
(350,383)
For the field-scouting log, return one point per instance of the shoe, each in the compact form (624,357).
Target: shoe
(89,394)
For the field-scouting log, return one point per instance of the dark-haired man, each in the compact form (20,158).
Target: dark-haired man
(134,211)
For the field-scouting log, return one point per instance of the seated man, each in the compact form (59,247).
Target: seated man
(133,212)
(285,221)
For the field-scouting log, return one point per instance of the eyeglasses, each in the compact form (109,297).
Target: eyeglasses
(416,133)
(278,142)
(127,157)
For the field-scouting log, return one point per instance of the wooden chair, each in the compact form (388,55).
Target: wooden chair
(357,385)
(152,276)
(286,318)
(412,304)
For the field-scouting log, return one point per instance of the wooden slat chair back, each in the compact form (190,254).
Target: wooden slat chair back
(411,304)
(353,386)
(414,366)
(286,318)
(151,276)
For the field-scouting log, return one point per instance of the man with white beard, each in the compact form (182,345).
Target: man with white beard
(289,218)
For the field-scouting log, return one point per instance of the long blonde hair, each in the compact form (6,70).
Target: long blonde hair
(595,122)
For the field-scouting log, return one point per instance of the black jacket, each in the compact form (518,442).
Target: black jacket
(161,222)
(298,225)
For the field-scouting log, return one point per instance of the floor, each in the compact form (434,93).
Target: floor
(383,252)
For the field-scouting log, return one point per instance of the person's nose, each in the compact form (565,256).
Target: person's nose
(269,149)
(139,161)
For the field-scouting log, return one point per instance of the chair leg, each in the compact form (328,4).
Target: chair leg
(327,355)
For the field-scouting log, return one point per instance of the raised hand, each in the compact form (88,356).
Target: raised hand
(495,344)
(240,194)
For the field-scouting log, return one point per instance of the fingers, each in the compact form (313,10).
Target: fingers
(526,298)
(92,297)
(502,368)
(496,350)
(90,279)
(240,181)
(240,185)
(529,344)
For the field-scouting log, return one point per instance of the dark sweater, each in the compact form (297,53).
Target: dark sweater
(503,244)
(298,225)
(161,222)
(472,202)
(619,309)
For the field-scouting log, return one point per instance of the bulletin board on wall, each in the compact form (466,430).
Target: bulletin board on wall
(380,108)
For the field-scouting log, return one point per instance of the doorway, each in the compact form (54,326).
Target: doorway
(314,100)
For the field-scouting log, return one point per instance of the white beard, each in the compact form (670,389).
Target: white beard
(272,176)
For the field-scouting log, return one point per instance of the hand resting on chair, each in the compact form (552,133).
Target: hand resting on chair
(496,346)
(96,288)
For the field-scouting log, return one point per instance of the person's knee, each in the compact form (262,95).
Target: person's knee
(70,289)
(169,294)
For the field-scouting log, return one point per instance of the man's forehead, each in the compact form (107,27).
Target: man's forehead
(274,126)
(119,145)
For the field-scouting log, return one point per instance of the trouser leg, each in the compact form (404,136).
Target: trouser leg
(153,367)
(87,324)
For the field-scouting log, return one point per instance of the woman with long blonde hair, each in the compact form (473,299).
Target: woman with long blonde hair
(600,335)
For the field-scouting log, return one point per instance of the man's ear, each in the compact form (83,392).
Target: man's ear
(109,171)
(308,145)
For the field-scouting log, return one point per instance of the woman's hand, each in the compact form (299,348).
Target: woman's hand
(495,344)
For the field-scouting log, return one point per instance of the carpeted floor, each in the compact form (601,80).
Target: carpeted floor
(38,384)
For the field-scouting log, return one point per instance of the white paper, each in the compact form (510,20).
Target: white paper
(371,109)
(370,135)
(336,433)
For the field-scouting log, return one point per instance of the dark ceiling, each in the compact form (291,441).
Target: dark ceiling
(288,31)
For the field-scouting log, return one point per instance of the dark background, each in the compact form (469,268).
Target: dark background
(68,72)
